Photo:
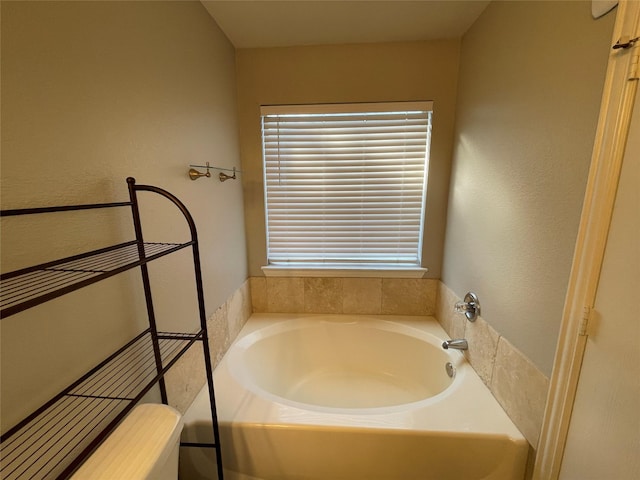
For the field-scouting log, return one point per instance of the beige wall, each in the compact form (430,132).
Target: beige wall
(531,78)
(93,92)
(348,73)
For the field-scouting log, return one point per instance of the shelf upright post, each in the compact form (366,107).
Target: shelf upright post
(204,336)
(137,225)
(205,345)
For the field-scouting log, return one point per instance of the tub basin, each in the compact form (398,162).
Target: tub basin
(321,397)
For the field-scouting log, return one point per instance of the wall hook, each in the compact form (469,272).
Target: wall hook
(195,174)
(224,177)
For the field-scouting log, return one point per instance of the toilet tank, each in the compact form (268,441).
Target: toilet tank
(144,446)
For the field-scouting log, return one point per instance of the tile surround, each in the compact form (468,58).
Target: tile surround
(518,385)
(484,340)
(187,377)
(258,287)
(320,295)
(408,296)
(387,296)
(362,296)
(294,295)
(285,295)
(453,323)
(520,388)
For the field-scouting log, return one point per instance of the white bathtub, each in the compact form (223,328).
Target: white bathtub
(333,397)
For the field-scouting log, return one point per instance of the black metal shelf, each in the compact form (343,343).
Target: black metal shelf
(53,441)
(26,288)
(40,446)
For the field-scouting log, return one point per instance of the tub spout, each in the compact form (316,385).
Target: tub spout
(457,344)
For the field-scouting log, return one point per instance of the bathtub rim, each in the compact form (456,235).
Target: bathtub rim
(472,409)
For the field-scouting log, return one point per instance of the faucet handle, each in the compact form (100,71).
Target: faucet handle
(463,307)
(470,306)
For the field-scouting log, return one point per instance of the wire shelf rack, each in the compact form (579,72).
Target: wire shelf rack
(43,445)
(54,441)
(32,286)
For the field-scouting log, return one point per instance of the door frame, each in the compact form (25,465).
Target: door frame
(611,135)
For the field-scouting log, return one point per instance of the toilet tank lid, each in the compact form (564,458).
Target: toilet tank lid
(143,440)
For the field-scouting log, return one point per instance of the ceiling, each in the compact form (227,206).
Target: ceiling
(267,23)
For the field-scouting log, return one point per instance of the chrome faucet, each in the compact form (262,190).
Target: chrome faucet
(470,306)
(457,344)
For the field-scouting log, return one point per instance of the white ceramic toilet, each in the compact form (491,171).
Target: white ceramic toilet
(144,446)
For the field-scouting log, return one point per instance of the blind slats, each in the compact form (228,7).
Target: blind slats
(345,187)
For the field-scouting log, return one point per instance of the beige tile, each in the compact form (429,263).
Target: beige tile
(362,295)
(483,343)
(185,379)
(408,296)
(431,294)
(285,295)
(218,331)
(453,323)
(247,307)
(444,300)
(258,287)
(323,295)
(520,388)
(238,310)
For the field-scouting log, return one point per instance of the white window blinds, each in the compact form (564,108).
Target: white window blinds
(345,184)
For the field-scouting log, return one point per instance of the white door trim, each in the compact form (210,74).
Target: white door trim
(611,135)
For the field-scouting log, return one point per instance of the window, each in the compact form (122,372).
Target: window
(345,184)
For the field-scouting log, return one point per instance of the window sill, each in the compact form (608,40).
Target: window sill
(345,272)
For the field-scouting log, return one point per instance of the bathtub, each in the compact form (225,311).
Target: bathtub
(334,397)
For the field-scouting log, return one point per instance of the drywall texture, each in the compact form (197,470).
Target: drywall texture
(531,76)
(348,74)
(94,92)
